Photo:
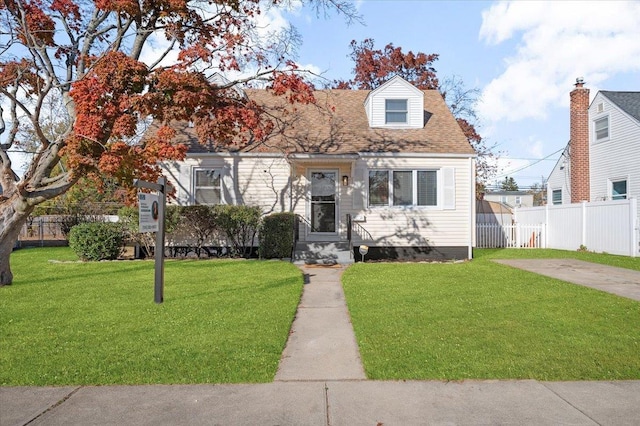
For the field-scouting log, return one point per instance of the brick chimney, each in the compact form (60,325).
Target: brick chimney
(579,142)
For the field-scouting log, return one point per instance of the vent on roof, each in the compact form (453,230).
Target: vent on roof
(600,107)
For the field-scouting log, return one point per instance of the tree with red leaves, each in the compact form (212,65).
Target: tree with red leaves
(373,67)
(108,63)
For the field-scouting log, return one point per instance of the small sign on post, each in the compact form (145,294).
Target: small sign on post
(151,210)
(148,209)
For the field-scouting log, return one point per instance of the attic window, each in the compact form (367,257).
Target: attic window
(602,128)
(395,111)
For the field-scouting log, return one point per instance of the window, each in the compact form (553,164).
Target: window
(208,186)
(556,196)
(503,199)
(395,111)
(602,128)
(619,190)
(403,188)
(518,200)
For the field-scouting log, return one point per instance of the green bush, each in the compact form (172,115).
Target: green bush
(130,221)
(276,235)
(97,241)
(240,225)
(198,223)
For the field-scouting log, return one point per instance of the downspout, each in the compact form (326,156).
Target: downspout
(472,200)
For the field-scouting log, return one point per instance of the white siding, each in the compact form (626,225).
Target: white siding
(396,88)
(416,226)
(264,182)
(617,158)
(254,181)
(560,178)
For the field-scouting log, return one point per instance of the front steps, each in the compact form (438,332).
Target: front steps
(322,253)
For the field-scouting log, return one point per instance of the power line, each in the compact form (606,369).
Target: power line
(511,172)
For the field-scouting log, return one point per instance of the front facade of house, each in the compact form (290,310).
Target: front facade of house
(389,169)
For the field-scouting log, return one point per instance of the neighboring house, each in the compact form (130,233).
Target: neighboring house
(393,160)
(493,212)
(602,159)
(510,199)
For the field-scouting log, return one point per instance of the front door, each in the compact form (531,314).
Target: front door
(323,209)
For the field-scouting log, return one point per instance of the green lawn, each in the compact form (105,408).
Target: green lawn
(483,320)
(222,321)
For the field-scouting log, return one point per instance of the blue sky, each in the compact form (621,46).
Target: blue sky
(523,56)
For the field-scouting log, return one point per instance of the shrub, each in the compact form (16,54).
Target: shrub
(130,218)
(276,235)
(240,225)
(97,241)
(196,225)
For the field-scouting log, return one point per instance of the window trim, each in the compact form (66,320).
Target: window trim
(414,193)
(595,130)
(195,185)
(624,196)
(405,111)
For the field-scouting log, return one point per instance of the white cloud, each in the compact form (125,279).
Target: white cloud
(555,43)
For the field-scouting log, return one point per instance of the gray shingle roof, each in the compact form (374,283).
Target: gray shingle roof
(629,102)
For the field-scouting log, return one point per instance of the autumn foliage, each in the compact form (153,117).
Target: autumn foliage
(373,67)
(112,66)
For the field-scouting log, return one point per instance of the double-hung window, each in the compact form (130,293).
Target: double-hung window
(601,126)
(403,188)
(619,190)
(556,196)
(395,111)
(208,186)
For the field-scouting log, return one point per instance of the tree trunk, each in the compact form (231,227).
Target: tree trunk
(11,221)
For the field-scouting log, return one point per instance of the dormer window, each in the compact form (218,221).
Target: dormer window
(396,111)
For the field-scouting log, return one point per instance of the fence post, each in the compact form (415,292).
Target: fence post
(41,231)
(634,225)
(546,224)
(583,237)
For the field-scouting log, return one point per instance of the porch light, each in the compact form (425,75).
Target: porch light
(345,180)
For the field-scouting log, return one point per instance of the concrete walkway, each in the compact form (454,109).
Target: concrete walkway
(320,381)
(620,281)
(321,345)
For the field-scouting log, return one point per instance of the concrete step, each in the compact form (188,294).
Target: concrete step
(327,253)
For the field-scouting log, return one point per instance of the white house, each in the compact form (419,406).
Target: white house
(388,168)
(510,199)
(602,159)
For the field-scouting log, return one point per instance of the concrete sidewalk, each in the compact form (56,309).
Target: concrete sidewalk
(336,403)
(321,381)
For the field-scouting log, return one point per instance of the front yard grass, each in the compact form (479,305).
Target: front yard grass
(222,321)
(482,320)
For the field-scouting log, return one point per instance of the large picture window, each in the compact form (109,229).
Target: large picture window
(208,188)
(403,188)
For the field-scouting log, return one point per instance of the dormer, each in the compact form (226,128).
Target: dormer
(396,104)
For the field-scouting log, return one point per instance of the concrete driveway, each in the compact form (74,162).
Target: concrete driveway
(620,281)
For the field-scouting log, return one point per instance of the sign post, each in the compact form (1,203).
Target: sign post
(152,213)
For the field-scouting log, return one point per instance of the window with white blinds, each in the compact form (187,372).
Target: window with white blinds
(403,188)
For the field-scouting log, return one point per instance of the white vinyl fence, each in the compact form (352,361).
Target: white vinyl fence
(496,235)
(602,226)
